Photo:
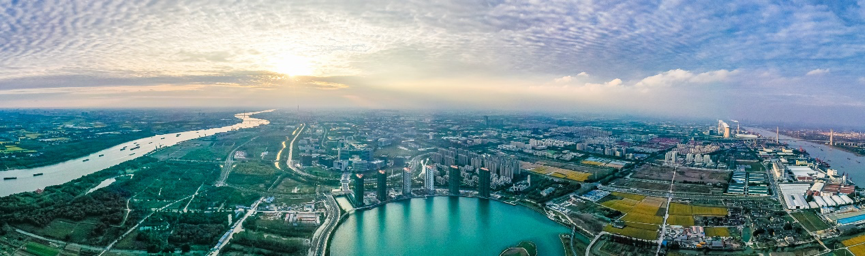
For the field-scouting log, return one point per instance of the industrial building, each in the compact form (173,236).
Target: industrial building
(794,195)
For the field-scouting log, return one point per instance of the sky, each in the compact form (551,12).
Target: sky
(747,60)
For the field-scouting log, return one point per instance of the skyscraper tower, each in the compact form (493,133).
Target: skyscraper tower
(454,180)
(831,137)
(484,185)
(777,135)
(381,187)
(429,178)
(406,181)
(358,189)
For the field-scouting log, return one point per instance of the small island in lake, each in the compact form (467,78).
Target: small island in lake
(524,248)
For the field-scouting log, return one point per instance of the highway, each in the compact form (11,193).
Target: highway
(236,227)
(322,234)
(291,155)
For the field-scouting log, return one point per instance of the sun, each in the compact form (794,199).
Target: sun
(292,66)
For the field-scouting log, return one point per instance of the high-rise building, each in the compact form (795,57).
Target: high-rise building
(381,187)
(484,184)
(429,178)
(358,189)
(454,180)
(406,182)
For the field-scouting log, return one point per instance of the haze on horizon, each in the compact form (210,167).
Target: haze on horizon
(757,60)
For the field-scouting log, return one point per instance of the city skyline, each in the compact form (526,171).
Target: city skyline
(741,60)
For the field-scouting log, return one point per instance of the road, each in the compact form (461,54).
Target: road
(229,161)
(237,227)
(193,197)
(589,248)
(322,234)
(666,213)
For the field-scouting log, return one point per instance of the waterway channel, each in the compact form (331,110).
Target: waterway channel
(41,177)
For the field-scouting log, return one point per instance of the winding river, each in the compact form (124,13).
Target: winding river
(445,226)
(67,171)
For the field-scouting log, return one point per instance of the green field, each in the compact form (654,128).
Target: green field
(810,221)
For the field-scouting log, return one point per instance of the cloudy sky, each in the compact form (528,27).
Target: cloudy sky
(751,60)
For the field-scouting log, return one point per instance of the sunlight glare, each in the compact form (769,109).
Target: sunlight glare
(292,66)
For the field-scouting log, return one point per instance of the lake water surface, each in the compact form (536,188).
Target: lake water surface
(445,226)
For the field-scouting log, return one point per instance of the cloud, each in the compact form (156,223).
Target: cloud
(683,77)
(568,79)
(386,51)
(817,72)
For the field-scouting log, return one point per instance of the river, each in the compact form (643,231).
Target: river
(67,171)
(843,161)
(445,226)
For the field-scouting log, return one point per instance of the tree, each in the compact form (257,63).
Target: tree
(185,248)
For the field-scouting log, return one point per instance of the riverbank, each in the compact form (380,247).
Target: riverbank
(24,180)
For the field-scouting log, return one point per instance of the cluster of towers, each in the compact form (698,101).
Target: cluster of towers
(381,186)
(502,169)
(454,177)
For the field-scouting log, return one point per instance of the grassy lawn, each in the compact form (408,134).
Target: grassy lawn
(58,229)
(41,249)
(810,221)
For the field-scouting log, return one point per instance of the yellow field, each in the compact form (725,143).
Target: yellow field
(631,196)
(634,231)
(717,231)
(587,162)
(646,208)
(643,218)
(680,209)
(684,209)
(858,250)
(709,211)
(624,205)
(686,220)
(853,241)
(560,173)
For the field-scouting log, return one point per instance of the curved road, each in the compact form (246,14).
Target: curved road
(322,234)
